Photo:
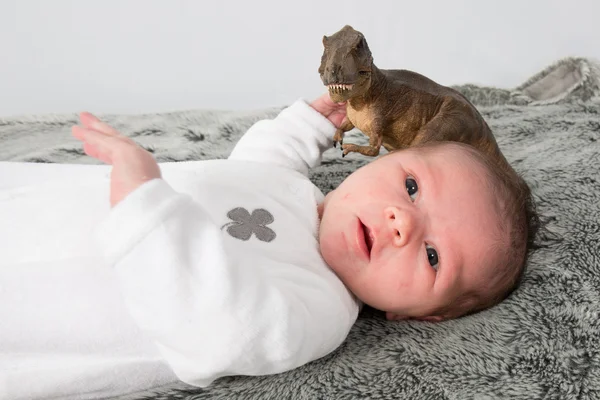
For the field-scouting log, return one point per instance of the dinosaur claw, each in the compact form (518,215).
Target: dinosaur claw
(334,145)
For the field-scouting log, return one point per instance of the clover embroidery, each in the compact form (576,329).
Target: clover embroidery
(245,224)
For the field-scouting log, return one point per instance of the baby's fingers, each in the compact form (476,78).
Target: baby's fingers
(91,151)
(100,145)
(92,122)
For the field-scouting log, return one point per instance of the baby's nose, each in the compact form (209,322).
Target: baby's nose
(401,223)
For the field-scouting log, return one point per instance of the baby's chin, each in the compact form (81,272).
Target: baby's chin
(328,252)
(334,256)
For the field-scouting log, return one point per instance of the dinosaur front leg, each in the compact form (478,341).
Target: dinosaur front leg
(345,126)
(372,150)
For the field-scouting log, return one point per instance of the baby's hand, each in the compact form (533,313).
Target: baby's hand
(131,165)
(334,112)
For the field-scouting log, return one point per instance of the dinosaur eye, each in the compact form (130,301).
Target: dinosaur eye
(363,73)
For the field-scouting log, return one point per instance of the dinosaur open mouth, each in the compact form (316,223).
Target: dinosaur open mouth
(339,88)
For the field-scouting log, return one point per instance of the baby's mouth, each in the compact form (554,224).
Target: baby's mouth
(368,237)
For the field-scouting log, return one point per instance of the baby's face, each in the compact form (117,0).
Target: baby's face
(410,231)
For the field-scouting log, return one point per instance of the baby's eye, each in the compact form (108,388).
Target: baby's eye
(411,188)
(432,257)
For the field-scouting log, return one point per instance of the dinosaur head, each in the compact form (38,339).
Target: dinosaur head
(346,64)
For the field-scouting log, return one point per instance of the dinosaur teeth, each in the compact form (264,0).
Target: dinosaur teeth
(340,88)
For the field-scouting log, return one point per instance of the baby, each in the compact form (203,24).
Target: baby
(198,270)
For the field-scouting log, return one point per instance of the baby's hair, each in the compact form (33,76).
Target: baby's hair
(518,226)
(519,223)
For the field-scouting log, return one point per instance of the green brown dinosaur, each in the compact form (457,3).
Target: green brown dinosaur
(395,108)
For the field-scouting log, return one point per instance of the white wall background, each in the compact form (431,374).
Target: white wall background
(148,55)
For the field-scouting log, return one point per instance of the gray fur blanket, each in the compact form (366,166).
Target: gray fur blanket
(543,342)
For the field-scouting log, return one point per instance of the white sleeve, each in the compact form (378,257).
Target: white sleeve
(296,138)
(209,314)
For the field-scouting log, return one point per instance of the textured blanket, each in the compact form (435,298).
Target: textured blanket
(542,342)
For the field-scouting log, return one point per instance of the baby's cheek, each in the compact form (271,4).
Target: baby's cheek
(388,276)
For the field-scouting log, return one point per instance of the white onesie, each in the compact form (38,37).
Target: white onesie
(213,270)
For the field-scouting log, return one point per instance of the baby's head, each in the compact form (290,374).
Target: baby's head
(431,232)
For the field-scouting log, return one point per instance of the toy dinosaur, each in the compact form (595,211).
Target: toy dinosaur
(395,108)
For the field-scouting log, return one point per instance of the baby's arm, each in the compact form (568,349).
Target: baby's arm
(209,314)
(296,138)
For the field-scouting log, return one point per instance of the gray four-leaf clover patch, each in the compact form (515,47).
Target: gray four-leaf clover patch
(244,224)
